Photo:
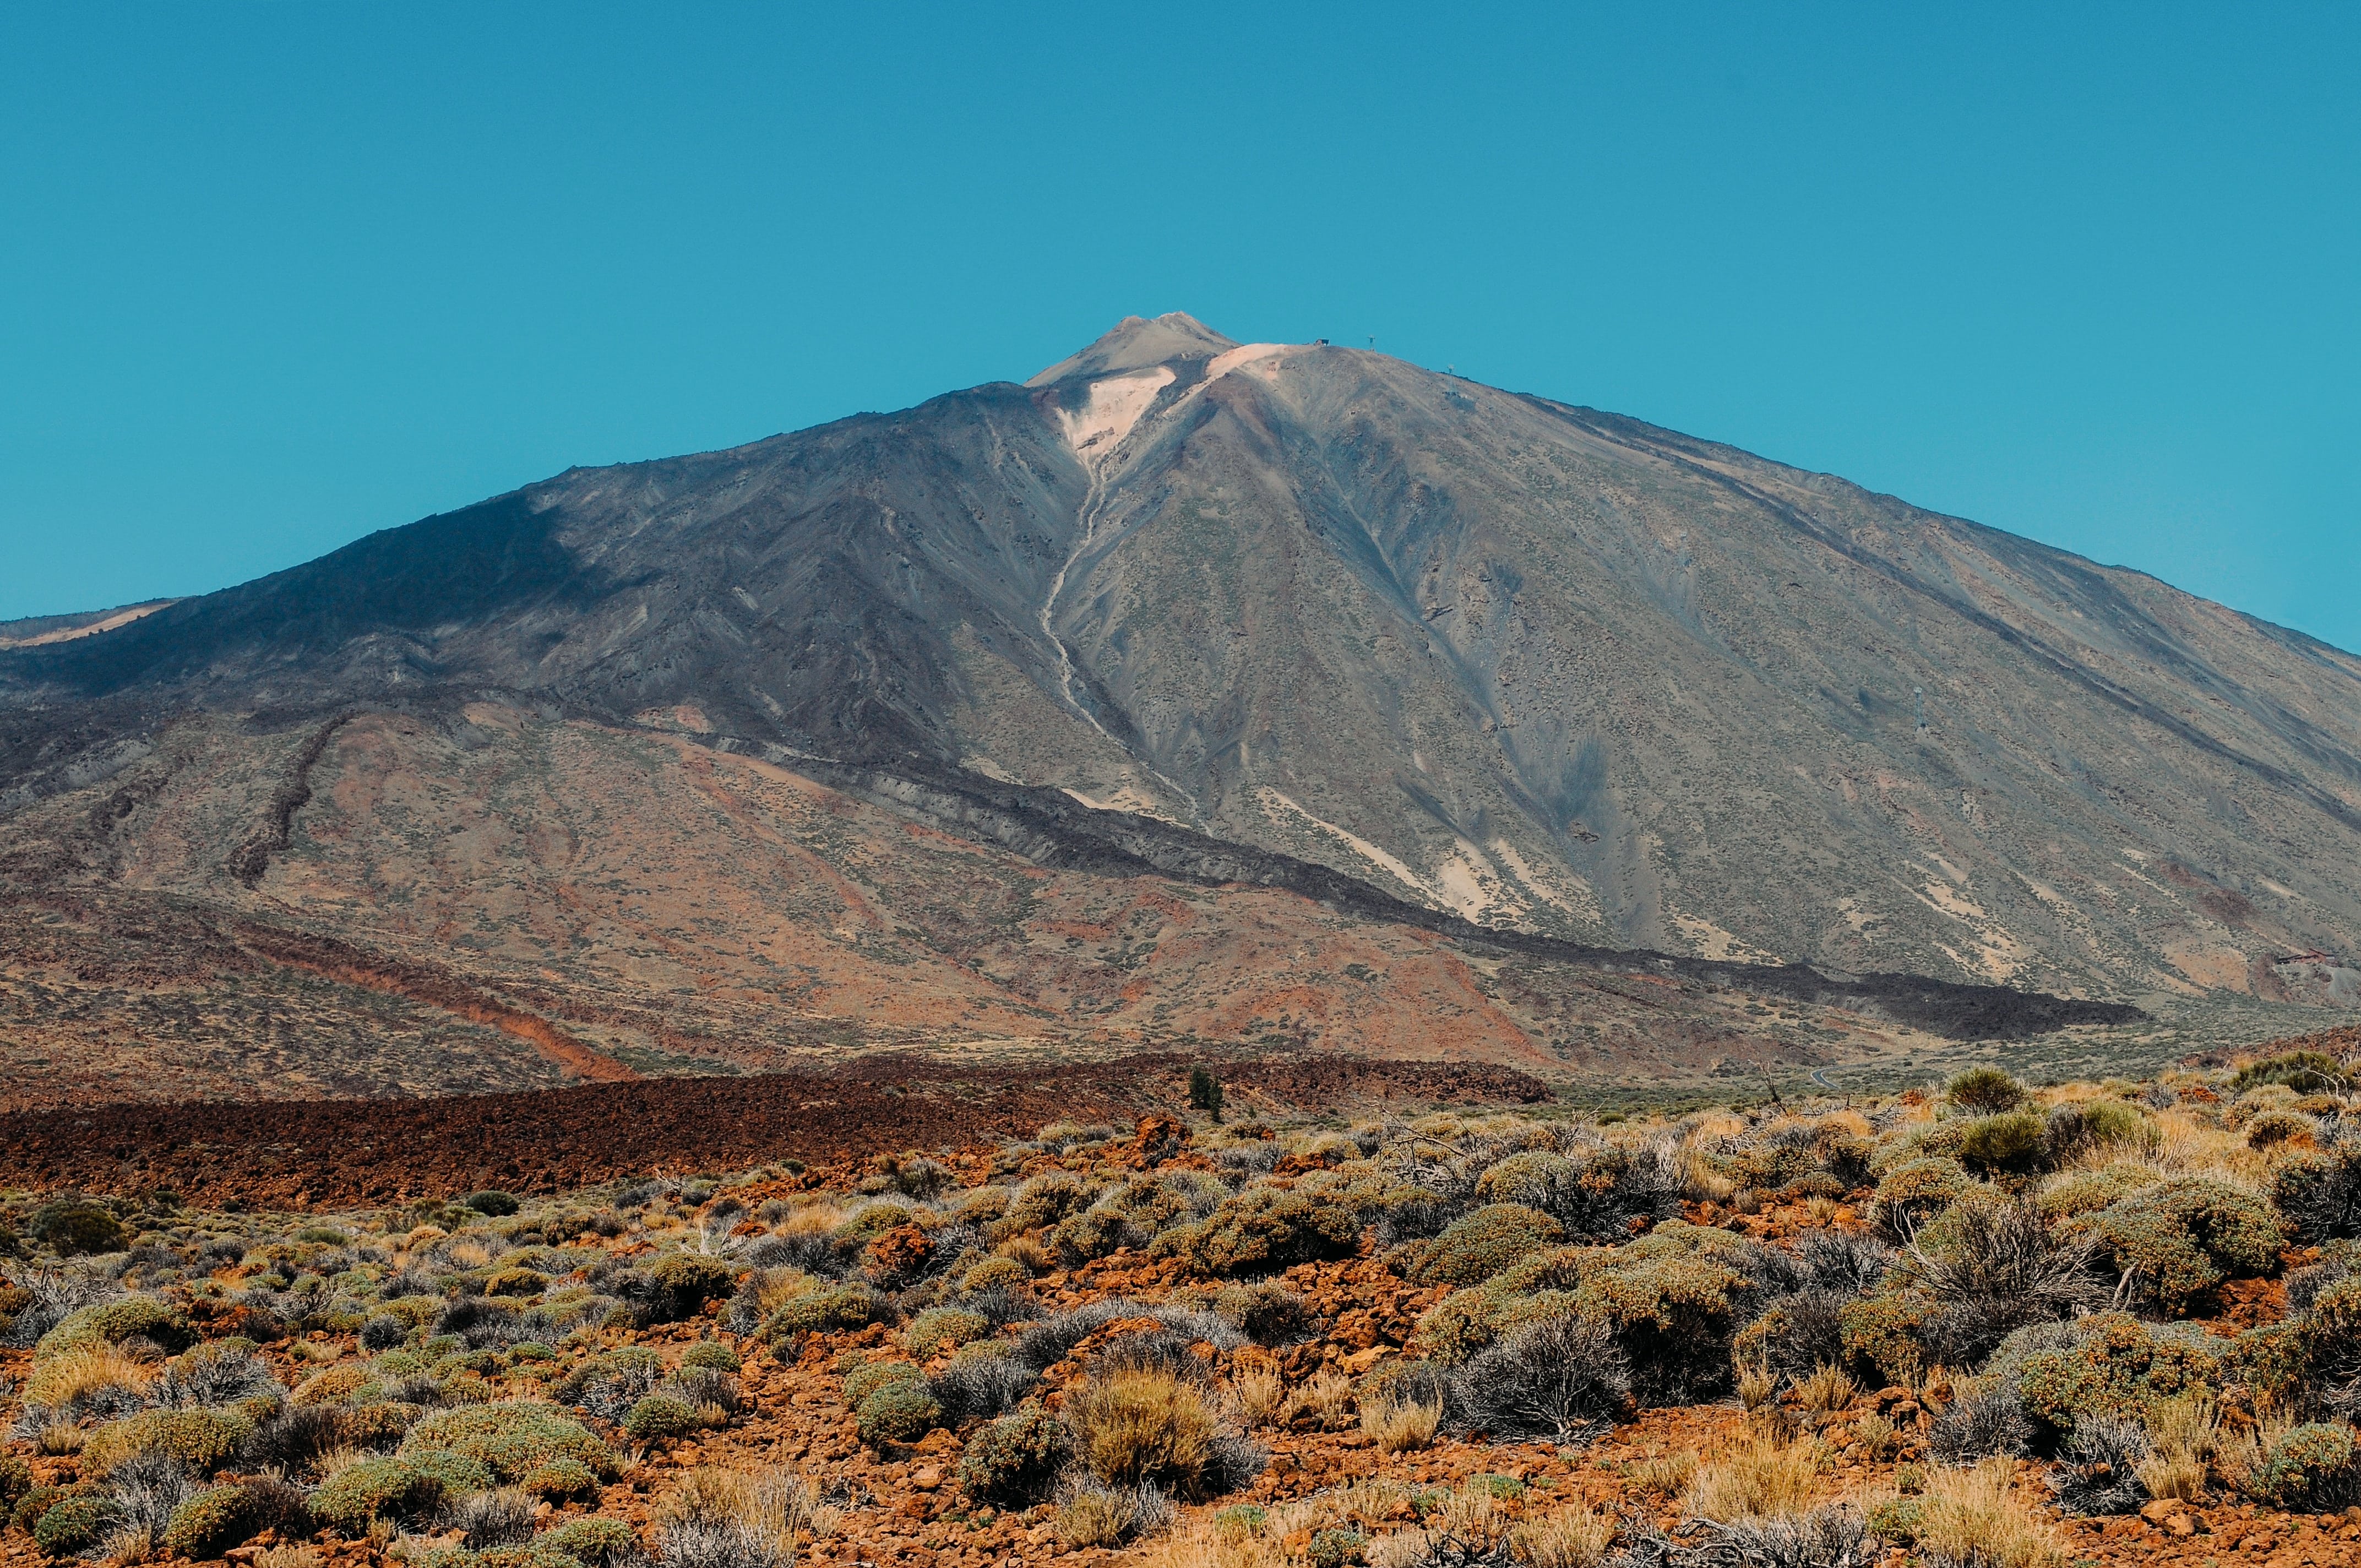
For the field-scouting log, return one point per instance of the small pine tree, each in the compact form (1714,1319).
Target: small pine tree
(1204,1093)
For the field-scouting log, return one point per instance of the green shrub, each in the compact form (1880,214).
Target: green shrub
(867,1379)
(826,1311)
(685,1282)
(2110,1363)
(112,1323)
(593,1542)
(1265,1312)
(201,1439)
(1535,1178)
(1335,1547)
(1264,1229)
(2006,1141)
(2319,1192)
(1013,1461)
(2185,1236)
(661,1415)
(76,1225)
(559,1479)
(389,1488)
(15,1481)
(2275,1127)
(2306,1072)
(1670,1298)
(2312,1470)
(901,1411)
(712,1353)
(1916,1190)
(996,1274)
(1985,1089)
(2088,1192)
(935,1327)
(495,1204)
(1897,1520)
(1882,1334)
(523,1282)
(1474,1247)
(75,1523)
(212,1521)
(508,1439)
(1093,1234)
(606,1366)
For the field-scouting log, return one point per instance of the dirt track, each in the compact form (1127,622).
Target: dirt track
(342,1153)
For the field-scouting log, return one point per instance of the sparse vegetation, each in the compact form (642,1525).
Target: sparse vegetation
(1115,1329)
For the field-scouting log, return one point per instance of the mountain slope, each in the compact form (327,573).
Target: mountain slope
(1539,665)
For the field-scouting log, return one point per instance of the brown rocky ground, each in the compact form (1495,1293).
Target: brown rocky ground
(335,1154)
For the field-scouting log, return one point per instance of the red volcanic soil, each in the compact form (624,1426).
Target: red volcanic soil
(331,1154)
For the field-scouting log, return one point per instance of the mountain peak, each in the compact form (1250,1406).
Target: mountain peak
(1135,343)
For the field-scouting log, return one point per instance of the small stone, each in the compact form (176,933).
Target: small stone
(925,1478)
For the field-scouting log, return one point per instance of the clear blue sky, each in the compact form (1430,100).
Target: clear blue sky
(274,276)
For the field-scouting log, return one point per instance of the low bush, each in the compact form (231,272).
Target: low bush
(1477,1246)
(1144,1426)
(76,1226)
(394,1489)
(2109,1364)
(900,1412)
(941,1328)
(508,1439)
(1985,1089)
(2306,1072)
(2008,1142)
(829,1310)
(1015,1461)
(982,1379)
(74,1524)
(114,1322)
(2098,1470)
(1992,1267)
(1265,1312)
(593,1542)
(684,1282)
(2312,1469)
(2318,1192)
(1984,1421)
(1561,1378)
(496,1204)
(2182,1237)
(1261,1230)
(1916,1190)
(201,1439)
(220,1517)
(662,1414)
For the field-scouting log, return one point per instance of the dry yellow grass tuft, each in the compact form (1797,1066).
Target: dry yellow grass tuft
(1760,1480)
(1669,1473)
(2183,1434)
(1203,1546)
(1968,1516)
(1755,1385)
(1397,1426)
(770,1504)
(1142,1425)
(1258,1394)
(1828,1390)
(1573,1537)
(91,1369)
(1326,1397)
